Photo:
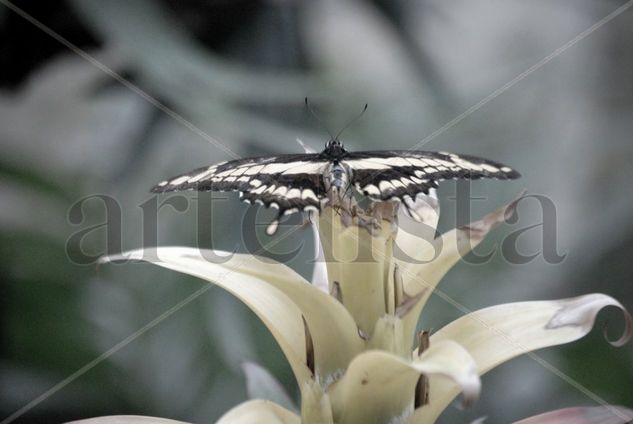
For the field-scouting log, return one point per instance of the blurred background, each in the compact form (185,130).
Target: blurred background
(234,74)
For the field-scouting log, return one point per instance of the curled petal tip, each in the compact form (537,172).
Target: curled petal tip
(581,312)
(626,334)
(477,230)
(510,208)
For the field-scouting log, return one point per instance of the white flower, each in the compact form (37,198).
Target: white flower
(353,346)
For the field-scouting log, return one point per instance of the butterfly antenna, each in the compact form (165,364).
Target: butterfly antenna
(318,119)
(351,121)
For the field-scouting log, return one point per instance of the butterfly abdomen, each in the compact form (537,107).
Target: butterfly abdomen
(336,180)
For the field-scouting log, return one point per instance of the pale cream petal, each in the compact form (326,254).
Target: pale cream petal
(412,235)
(388,336)
(437,259)
(126,419)
(257,412)
(319,272)
(499,333)
(607,414)
(447,360)
(379,386)
(315,404)
(276,310)
(359,266)
(334,332)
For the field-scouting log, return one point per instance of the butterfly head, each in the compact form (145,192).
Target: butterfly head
(334,149)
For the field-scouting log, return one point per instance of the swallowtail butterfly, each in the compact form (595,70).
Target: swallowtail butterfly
(302,182)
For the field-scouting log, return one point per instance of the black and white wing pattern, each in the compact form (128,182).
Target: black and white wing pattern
(299,182)
(400,174)
(290,183)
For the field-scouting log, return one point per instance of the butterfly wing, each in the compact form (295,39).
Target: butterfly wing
(290,183)
(400,174)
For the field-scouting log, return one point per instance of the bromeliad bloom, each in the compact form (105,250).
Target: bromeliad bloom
(350,334)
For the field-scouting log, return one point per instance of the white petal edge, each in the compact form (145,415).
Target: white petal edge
(379,386)
(257,412)
(499,333)
(319,271)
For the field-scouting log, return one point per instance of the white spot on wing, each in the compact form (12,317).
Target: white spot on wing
(464,164)
(365,164)
(272,228)
(371,190)
(290,168)
(281,191)
(259,190)
(200,176)
(179,180)
(385,185)
(397,183)
(253,170)
(309,194)
(294,193)
(489,168)
(239,171)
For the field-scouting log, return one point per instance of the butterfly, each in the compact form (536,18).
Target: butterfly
(310,181)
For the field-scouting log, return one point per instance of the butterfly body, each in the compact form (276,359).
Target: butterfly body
(298,182)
